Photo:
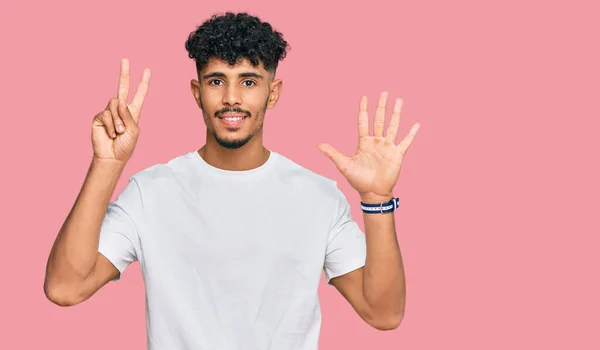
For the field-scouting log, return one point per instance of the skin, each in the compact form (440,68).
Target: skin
(377,291)
(240,87)
(75,270)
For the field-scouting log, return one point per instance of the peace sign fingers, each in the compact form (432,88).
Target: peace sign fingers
(123,89)
(140,95)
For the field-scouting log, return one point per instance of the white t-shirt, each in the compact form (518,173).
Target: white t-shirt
(232,260)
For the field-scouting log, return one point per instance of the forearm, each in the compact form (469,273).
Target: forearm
(75,249)
(384,286)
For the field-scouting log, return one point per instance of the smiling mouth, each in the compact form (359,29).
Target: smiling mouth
(233,118)
(233,121)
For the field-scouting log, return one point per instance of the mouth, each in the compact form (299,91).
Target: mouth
(232,120)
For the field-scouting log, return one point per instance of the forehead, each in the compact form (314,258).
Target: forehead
(243,65)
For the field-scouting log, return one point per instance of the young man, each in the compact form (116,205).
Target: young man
(232,238)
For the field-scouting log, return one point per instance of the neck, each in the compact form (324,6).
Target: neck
(252,155)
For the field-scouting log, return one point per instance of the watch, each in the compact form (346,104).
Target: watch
(380,208)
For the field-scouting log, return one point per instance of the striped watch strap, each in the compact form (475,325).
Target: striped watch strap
(381,208)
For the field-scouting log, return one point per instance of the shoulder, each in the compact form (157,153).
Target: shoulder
(309,181)
(171,171)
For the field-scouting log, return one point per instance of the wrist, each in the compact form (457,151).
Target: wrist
(105,163)
(373,198)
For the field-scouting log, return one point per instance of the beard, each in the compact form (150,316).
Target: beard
(232,144)
(237,143)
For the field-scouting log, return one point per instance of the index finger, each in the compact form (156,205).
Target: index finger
(140,94)
(363,118)
(123,90)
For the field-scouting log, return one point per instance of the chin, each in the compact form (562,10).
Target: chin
(232,143)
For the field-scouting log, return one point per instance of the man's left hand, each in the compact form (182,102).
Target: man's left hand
(373,171)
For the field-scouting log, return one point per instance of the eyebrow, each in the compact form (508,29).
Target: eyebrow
(241,75)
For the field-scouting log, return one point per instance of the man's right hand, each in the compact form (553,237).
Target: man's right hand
(115,130)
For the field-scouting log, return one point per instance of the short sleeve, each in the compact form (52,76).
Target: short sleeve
(346,247)
(119,239)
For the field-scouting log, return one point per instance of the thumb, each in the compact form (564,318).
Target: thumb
(338,159)
(125,114)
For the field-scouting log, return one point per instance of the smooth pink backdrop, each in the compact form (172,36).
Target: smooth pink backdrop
(499,193)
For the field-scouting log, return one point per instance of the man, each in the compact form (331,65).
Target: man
(232,238)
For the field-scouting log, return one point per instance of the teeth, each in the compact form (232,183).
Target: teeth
(233,119)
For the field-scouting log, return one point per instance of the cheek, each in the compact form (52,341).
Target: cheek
(209,98)
(259,102)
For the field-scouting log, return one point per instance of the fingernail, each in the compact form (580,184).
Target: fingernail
(120,128)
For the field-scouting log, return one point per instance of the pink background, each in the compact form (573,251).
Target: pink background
(498,192)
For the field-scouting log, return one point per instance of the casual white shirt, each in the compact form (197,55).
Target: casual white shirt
(232,260)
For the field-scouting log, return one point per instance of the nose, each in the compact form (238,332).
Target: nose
(231,96)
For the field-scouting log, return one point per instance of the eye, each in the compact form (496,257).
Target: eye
(248,83)
(212,82)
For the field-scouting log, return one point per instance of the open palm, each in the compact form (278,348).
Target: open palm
(375,167)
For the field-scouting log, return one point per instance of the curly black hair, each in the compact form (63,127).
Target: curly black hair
(231,37)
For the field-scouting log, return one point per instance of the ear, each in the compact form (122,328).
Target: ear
(275,93)
(195,87)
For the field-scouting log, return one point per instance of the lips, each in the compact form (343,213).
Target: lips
(232,120)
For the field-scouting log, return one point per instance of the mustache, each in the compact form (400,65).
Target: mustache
(234,110)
